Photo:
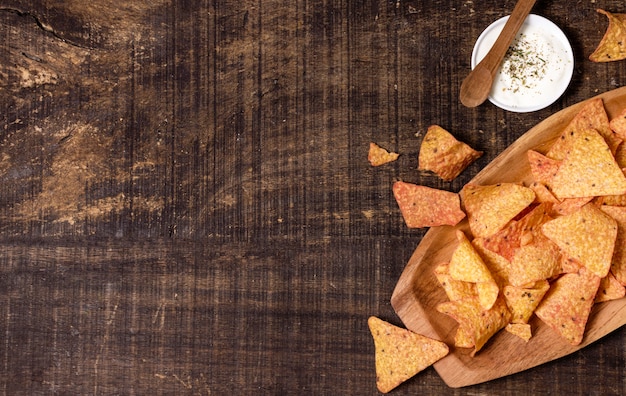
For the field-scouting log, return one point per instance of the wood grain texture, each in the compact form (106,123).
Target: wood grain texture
(186,205)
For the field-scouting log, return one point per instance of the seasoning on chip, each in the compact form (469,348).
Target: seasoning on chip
(522,330)
(542,167)
(466,265)
(400,354)
(592,116)
(379,156)
(480,324)
(522,301)
(610,289)
(444,155)
(589,169)
(618,265)
(423,206)
(490,208)
(566,306)
(612,46)
(587,235)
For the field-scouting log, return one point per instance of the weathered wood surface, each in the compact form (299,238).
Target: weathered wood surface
(186,205)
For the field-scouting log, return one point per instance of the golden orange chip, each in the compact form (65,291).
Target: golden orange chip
(620,155)
(612,47)
(479,324)
(379,156)
(535,262)
(566,306)
(569,205)
(521,330)
(589,169)
(542,194)
(463,337)
(618,265)
(542,168)
(400,353)
(569,265)
(423,206)
(618,125)
(466,265)
(455,289)
(522,301)
(587,235)
(610,289)
(498,266)
(591,116)
(490,208)
(444,155)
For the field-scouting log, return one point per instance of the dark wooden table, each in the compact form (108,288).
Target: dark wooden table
(186,205)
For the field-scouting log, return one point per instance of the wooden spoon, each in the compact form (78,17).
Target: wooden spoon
(477,85)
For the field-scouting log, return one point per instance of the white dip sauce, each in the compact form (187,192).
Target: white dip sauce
(536,69)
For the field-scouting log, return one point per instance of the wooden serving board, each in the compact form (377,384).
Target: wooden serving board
(417,292)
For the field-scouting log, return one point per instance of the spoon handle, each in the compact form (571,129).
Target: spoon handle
(497,52)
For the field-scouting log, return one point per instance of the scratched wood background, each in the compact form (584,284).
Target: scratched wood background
(186,205)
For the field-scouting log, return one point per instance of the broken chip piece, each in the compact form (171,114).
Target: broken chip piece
(400,353)
(378,156)
(444,155)
(423,206)
(612,46)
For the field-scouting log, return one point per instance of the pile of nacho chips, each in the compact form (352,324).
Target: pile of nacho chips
(552,248)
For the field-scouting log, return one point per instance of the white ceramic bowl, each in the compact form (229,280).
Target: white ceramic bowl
(537,69)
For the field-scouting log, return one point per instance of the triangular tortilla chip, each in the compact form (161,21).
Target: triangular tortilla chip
(587,235)
(618,265)
(522,301)
(444,155)
(400,353)
(566,306)
(521,330)
(542,168)
(535,262)
(378,156)
(610,289)
(589,169)
(479,324)
(455,289)
(466,265)
(490,208)
(423,206)
(612,47)
(592,116)
(618,125)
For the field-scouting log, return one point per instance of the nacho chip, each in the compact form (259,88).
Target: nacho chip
(612,47)
(455,289)
(566,306)
(423,206)
(401,354)
(569,205)
(569,265)
(589,169)
(592,116)
(618,265)
(490,208)
(521,330)
(620,155)
(535,262)
(466,265)
(378,156)
(444,155)
(463,337)
(522,301)
(542,168)
(479,324)
(618,125)
(610,289)
(587,235)
(542,194)
(498,266)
